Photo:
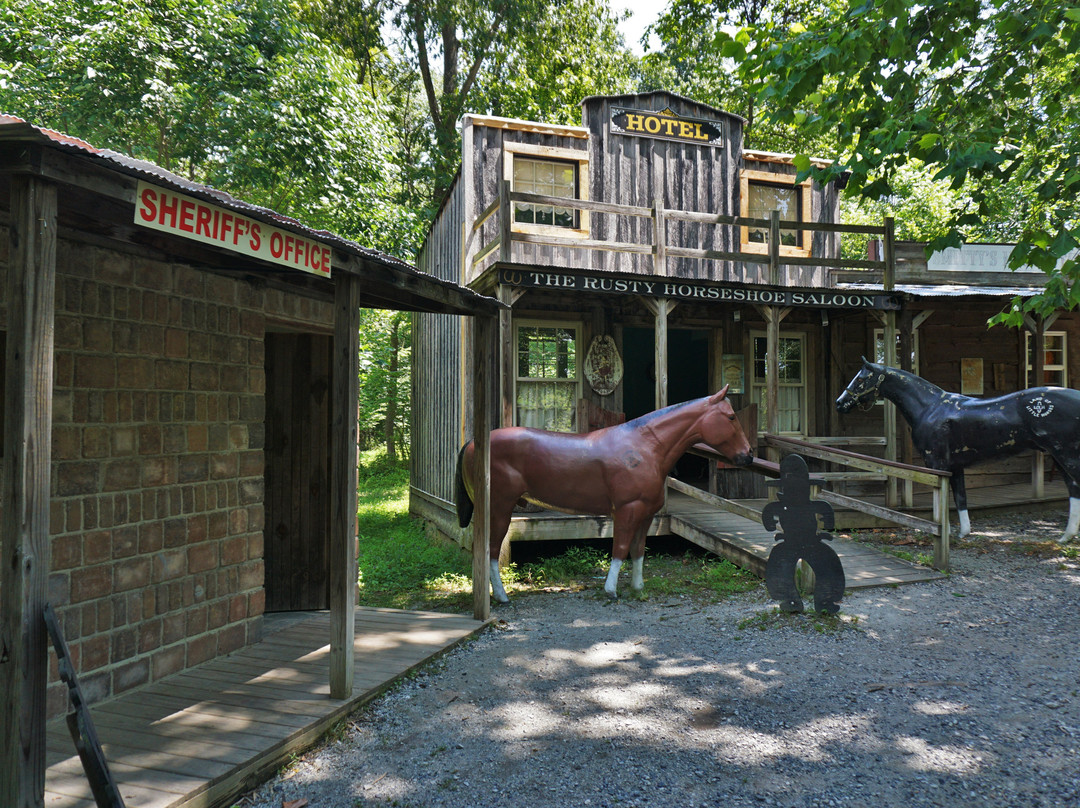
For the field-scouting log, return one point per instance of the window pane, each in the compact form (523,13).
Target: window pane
(548,178)
(763,200)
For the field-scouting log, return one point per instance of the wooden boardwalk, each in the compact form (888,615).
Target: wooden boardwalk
(748,544)
(200,738)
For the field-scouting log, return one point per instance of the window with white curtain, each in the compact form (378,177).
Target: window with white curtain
(791,400)
(548,382)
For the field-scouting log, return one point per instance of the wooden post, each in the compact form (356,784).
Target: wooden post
(485,350)
(343,476)
(507,350)
(941,546)
(773,317)
(1037,325)
(891,431)
(774,248)
(661,353)
(907,341)
(26,492)
(659,239)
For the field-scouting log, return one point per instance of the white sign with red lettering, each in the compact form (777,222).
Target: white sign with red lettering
(161,209)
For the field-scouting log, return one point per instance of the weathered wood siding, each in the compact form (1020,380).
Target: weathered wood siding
(824,207)
(487,174)
(438,372)
(632,170)
(956,330)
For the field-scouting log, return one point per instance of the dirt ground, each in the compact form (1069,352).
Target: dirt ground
(957,692)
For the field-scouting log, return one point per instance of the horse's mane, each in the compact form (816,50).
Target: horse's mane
(642,420)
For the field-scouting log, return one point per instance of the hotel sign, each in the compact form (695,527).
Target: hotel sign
(184,216)
(666,125)
(700,291)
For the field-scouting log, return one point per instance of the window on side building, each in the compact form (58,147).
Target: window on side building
(548,382)
(761,193)
(1055,361)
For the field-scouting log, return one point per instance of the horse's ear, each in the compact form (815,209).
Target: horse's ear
(865,361)
(720,394)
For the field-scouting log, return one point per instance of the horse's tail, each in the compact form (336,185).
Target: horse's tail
(461,493)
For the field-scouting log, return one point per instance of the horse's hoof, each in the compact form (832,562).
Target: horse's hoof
(611,593)
(1066,539)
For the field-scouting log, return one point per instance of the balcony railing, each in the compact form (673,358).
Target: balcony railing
(500,245)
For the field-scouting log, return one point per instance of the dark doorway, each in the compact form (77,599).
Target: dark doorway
(688,378)
(297,499)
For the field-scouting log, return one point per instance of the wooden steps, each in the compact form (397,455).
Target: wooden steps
(747,543)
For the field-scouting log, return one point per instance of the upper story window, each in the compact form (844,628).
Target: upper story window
(1055,361)
(547,178)
(762,192)
(547,171)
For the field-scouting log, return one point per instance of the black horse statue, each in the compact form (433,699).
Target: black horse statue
(953,431)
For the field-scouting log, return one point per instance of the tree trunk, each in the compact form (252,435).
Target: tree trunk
(391,393)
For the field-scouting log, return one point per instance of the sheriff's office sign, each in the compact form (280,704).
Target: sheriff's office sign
(184,216)
(666,125)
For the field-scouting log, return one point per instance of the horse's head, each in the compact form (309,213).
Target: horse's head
(720,429)
(863,390)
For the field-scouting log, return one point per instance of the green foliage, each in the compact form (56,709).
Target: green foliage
(530,58)
(231,93)
(385,393)
(980,93)
(574,51)
(399,566)
(705,41)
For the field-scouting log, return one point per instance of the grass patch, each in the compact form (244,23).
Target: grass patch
(399,566)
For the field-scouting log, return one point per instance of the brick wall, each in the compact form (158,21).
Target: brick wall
(157,509)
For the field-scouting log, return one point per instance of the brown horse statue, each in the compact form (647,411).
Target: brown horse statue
(620,471)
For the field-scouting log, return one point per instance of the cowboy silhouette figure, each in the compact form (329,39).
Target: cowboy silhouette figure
(798,516)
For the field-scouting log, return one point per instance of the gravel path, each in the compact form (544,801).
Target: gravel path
(959,692)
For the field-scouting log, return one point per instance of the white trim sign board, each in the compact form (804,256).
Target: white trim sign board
(169,212)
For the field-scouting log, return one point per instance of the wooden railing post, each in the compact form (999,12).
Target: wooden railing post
(941,544)
(506,251)
(659,239)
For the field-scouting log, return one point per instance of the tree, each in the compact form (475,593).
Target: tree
(981,92)
(385,395)
(698,49)
(233,94)
(506,57)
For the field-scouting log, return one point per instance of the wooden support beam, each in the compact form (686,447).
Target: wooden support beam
(343,477)
(485,351)
(506,355)
(26,492)
(891,430)
(663,307)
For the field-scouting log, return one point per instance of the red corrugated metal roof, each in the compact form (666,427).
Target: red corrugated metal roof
(13,128)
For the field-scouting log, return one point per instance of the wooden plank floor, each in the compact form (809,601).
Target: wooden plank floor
(748,544)
(201,737)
